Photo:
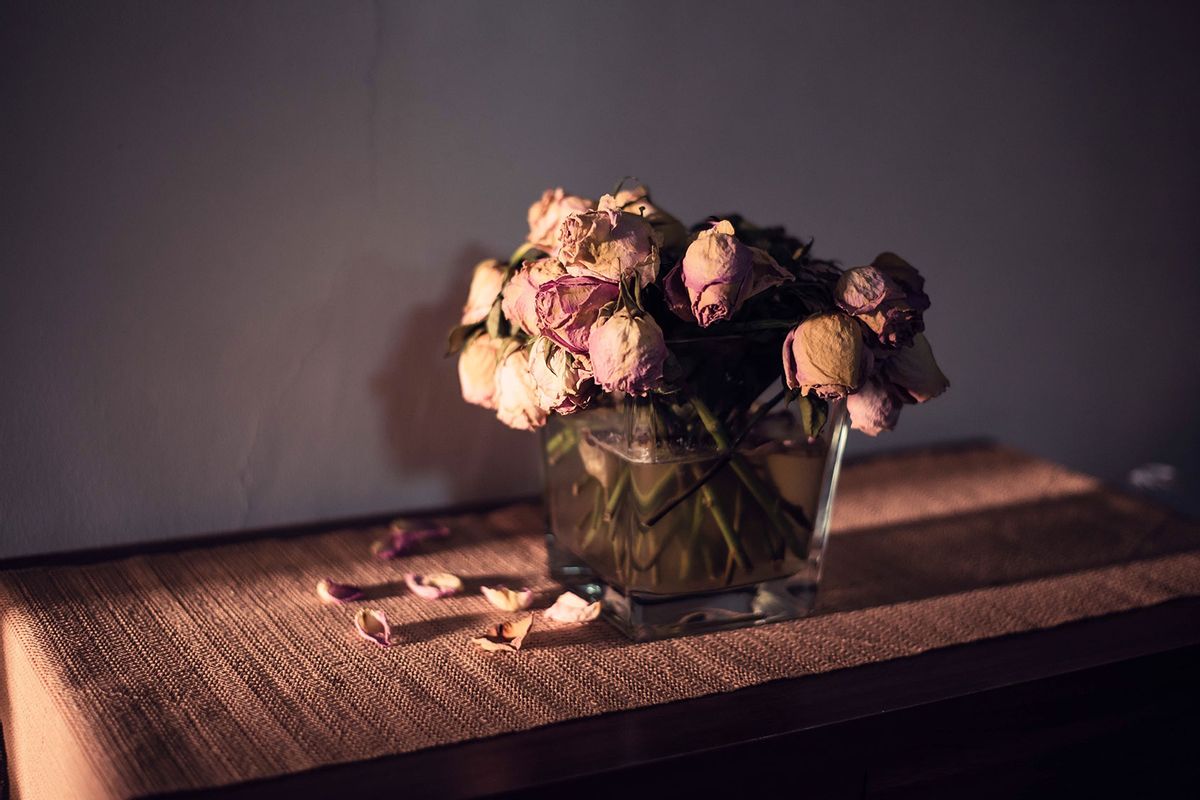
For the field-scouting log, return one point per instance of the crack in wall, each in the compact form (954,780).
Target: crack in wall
(325,313)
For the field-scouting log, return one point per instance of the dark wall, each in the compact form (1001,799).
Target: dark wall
(233,234)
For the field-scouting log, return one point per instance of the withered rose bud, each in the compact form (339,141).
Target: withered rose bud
(519,296)
(485,287)
(566,308)
(874,408)
(564,380)
(914,370)
(879,302)
(477,365)
(547,214)
(825,354)
(517,403)
(609,244)
(637,201)
(721,273)
(628,353)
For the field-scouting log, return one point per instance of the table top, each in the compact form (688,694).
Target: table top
(1016,593)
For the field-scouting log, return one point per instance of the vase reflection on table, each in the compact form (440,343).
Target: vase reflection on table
(676,535)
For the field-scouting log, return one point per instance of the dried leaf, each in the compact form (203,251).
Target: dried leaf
(404,535)
(507,599)
(373,626)
(570,607)
(507,636)
(333,592)
(433,586)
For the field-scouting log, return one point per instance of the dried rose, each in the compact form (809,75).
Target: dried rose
(825,354)
(519,295)
(721,273)
(477,365)
(485,287)
(507,599)
(914,370)
(874,408)
(570,607)
(879,302)
(609,244)
(404,535)
(434,586)
(568,306)
(547,214)
(517,404)
(507,636)
(637,201)
(373,626)
(628,353)
(564,380)
(333,592)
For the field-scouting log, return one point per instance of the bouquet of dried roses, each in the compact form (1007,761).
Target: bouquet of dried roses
(676,367)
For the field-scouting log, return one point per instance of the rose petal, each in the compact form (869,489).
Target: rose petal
(507,636)
(373,626)
(433,586)
(570,607)
(333,592)
(507,599)
(404,535)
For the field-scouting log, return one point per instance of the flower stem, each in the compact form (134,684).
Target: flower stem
(727,532)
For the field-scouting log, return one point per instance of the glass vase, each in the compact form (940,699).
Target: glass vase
(676,534)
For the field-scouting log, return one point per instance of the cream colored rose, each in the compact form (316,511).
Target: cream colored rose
(547,214)
(628,353)
(825,354)
(485,287)
(517,403)
(564,380)
(519,296)
(477,366)
(609,244)
(913,369)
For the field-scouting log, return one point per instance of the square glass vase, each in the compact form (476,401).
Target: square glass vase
(675,536)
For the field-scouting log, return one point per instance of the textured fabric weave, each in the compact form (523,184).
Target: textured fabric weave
(218,665)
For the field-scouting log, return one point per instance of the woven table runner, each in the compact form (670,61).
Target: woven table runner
(217,665)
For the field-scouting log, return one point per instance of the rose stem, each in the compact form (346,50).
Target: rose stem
(731,537)
(593,520)
(618,492)
(725,457)
(744,471)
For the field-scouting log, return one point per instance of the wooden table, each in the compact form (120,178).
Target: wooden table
(1106,706)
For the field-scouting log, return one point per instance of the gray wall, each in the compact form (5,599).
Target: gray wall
(232,235)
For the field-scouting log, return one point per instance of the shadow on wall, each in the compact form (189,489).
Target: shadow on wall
(428,427)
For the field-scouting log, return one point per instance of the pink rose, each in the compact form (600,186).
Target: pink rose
(567,307)
(609,244)
(825,354)
(888,297)
(564,380)
(517,403)
(914,370)
(547,214)
(721,273)
(637,201)
(485,286)
(628,353)
(477,370)
(519,294)
(874,408)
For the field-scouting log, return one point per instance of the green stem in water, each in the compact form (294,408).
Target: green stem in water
(727,532)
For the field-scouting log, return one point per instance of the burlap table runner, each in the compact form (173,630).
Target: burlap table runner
(218,665)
